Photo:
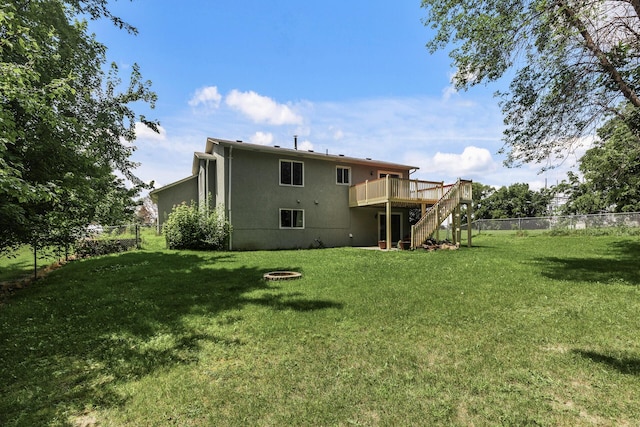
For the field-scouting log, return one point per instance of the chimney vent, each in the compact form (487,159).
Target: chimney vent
(295,142)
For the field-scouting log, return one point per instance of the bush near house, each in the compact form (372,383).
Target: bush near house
(191,227)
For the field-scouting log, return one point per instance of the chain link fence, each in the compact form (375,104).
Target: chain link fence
(101,240)
(90,241)
(570,222)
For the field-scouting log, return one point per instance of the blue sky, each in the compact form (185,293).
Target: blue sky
(350,77)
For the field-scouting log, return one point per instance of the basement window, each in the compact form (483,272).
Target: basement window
(291,218)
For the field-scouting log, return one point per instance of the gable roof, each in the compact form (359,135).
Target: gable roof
(337,158)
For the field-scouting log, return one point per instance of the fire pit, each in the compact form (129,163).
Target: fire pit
(282,275)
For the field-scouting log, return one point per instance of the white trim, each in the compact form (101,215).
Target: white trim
(292,227)
(280,172)
(336,174)
(400,174)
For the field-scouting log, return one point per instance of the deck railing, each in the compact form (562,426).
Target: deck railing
(390,189)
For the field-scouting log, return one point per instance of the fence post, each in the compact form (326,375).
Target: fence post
(35,261)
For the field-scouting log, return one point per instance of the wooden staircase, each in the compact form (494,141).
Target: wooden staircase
(449,203)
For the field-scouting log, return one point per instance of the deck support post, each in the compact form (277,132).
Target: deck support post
(469,216)
(458,225)
(388,218)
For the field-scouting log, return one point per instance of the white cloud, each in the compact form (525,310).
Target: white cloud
(305,145)
(448,92)
(261,138)
(145,132)
(262,109)
(472,160)
(472,163)
(207,96)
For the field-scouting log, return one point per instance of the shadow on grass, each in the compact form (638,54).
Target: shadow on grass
(628,366)
(67,341)
(622,268)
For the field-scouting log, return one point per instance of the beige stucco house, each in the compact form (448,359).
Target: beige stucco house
(278,198)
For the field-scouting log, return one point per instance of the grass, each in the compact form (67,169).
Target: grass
(518,330)
(19,264)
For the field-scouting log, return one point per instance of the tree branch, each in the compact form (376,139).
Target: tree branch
(636,6)
(609,68)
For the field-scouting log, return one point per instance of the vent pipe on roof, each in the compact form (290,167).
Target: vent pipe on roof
(295,142)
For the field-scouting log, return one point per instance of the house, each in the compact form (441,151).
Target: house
(278,198)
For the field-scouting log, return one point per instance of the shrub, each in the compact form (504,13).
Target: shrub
(95,247)
(190,227)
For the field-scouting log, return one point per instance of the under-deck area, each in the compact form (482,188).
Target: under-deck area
(436,200)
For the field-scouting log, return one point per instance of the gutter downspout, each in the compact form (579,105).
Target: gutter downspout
(229,200)
(206,186)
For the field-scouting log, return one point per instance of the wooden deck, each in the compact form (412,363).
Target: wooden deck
(436,200)
(399,192)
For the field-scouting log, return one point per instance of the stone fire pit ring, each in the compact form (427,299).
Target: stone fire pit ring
(282,275)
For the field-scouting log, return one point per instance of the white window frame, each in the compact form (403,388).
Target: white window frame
(280,173)
(343,168)
(293,227)
(400,174)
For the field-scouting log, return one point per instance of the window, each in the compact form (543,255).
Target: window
(343,175)
(382,174)
(291,218)
(291,173)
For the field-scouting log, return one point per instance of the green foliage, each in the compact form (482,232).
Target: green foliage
(514,201)
(65,125)
(612,166)
(96,247)
(192,227)
(620,230)
(611,172)
(581,196)
(571,61)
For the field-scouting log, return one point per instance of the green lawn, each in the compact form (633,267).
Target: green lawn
(19,264)
(529,330)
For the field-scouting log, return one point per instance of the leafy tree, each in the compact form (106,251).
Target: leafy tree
(515,201)
(65,124)
(611,173)
(613,166)
(581,197)
(573,61)
(480,192)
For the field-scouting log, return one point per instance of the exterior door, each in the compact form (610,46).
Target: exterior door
(396,227)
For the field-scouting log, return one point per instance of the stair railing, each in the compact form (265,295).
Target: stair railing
(435,216)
